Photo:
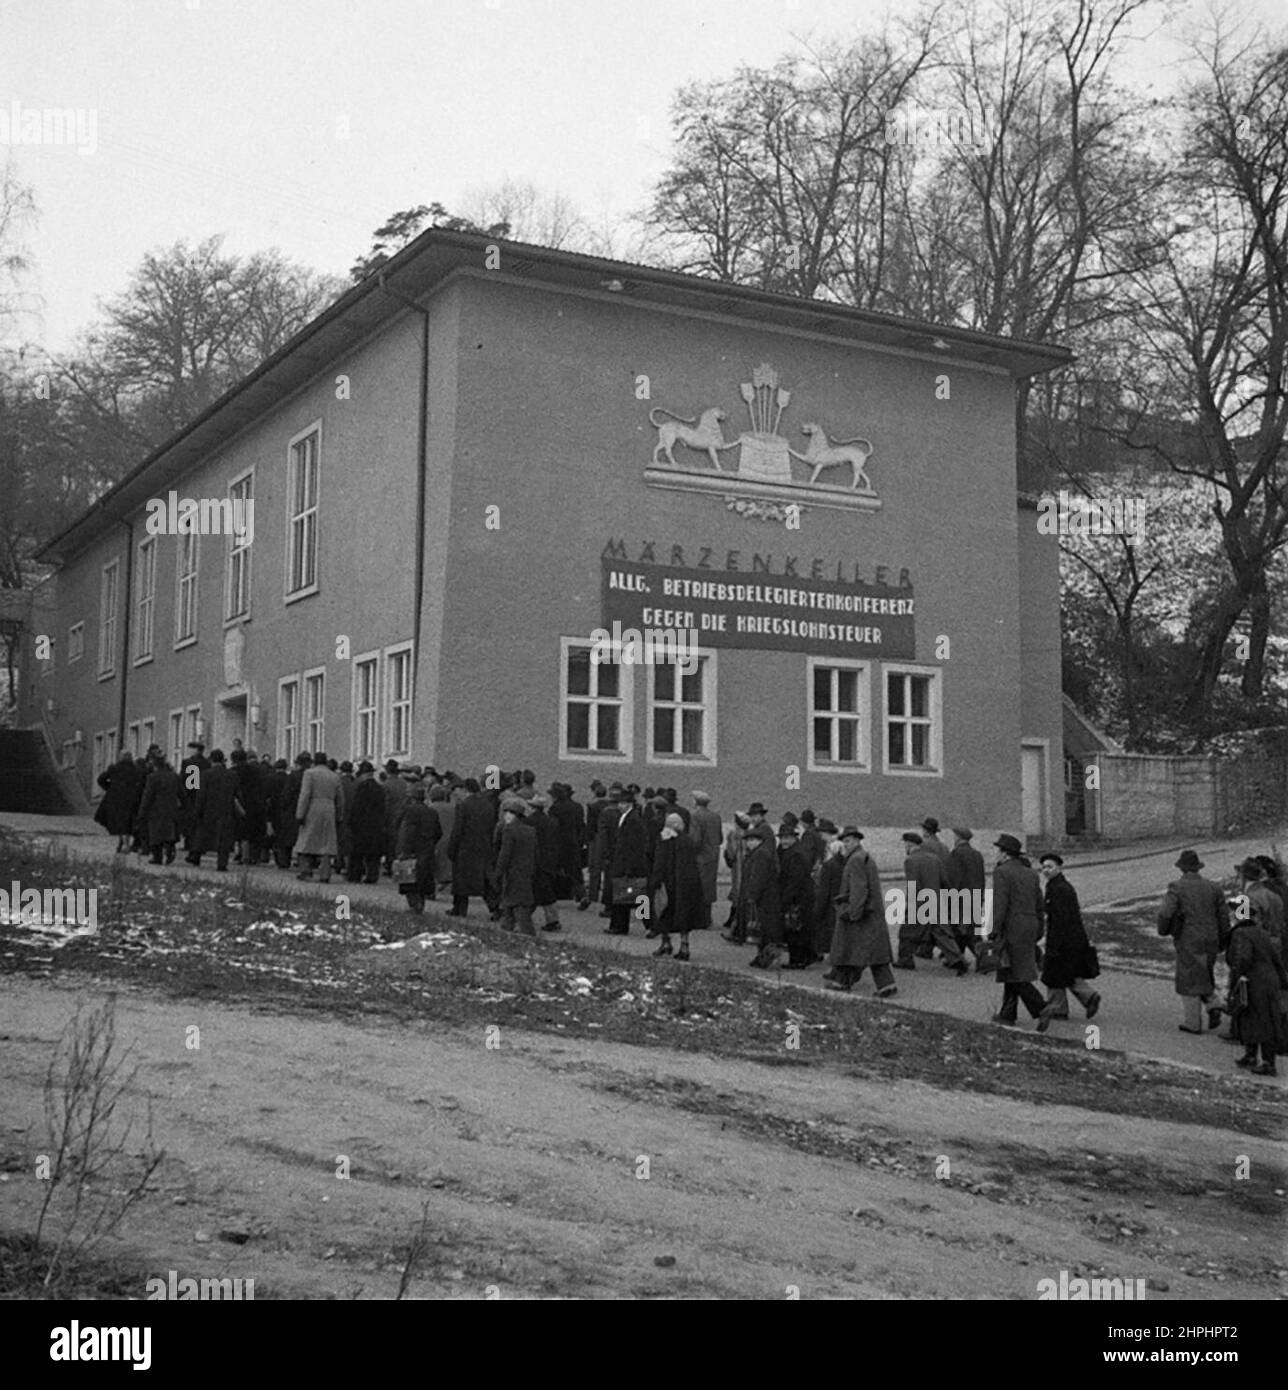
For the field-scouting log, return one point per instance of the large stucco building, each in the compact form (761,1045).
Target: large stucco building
(468,465)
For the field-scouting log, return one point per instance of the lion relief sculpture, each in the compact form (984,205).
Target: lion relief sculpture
(703,434)
(821,453)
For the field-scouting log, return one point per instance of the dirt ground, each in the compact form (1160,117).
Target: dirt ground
(556,1167)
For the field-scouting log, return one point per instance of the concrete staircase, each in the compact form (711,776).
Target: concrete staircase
(29,781)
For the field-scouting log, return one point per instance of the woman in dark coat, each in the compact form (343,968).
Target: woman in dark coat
(675,868)
(158,817)
(366,827)
(1257,977)
(796,898)
(418,833)
(470,848)
(123,783)
(1070,959)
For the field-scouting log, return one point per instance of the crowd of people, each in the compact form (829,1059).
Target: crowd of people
(804,893)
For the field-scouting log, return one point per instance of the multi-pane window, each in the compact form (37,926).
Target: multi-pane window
(107,603)
(594,703)
(176,737)
(302,514)
(132,738)
(185,603)
(288,719)
(147,735)
(838,718)
(398,684)
(237,596)
(315,711)
(911,720)
(682,713)
(192,725)
(366,710)
(145,601)
(75,642)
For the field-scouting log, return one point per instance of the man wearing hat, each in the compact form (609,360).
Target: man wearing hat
(966,870)
(827,885)
(1268,905)
(760,893)
(707,834)
(756,813)
(1019,919)
(735,856)
(931,842)
(921,869)
(626,858)
(601,802)
(544,886)
(1194,915)
(516,864)
(861,939)
(796,897)
(189,787)
(1070,959)
(811,842)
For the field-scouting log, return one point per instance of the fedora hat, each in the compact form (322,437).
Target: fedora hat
(757,808)
(912,837)
(851,832)
(930,824)
(962,833)
(1009,843)
(825,826)
(1189,862)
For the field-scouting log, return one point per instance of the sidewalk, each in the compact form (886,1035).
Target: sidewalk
(1139,1014)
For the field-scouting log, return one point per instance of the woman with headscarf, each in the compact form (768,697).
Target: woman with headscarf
(1257,977)
(675,869)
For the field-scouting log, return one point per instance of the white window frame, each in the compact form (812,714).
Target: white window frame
(75,642)
(174,732)
(100,743)
(239,550)
(626,702)
(357,710)
(185,589)
(389,703)
(191,718)
(707,758)
(309,515)
(306,723)
(288,732)
(145,600)
(147,735)
(107,621)
(132,737)
(864,742)
(935,720)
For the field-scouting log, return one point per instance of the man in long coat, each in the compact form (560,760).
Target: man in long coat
(544,882)
(827,887)
(516,862)
(1257,982)
(317,844)
(419,831)
(795,897)
(675,871)
(189,786)
(470,848)
(861,939)
(596,808)
(626,857)
(924,869)
(275,778)
(931,842)
(735,856)
(569,818)
(288,823)
(1070,959)
(1268,904)
(445,809)
(760,893)
(1194,915)
(366,825)
(123,785)
(811,843)
(1019,919)
(216,815)
(966,870)
(252,819)
(158,816)
(395,800)
(707,834)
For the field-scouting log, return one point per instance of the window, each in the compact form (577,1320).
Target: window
(682,711)
(595,704)
(132,738)
(302,514)
(185,600)
(75,642)
(100,750)
(840,729)
(176,737)
(147,735)
(913,721)
(288,719)
(107,619)
(145,591)
(365,740)
(398,683)
(315,711)
(237,596)
(191,726)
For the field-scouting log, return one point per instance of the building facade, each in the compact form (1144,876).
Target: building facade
(497,489)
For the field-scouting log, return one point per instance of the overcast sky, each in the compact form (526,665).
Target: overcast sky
(302,124)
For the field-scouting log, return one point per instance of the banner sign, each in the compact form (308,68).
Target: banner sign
(771,612)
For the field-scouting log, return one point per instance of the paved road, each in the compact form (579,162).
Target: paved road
(1139,1015)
